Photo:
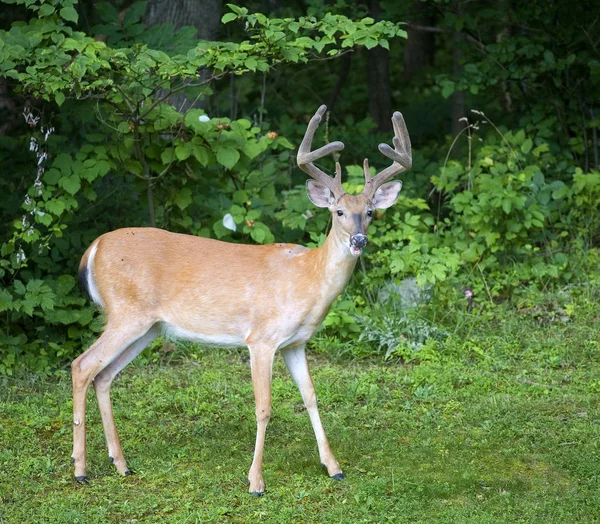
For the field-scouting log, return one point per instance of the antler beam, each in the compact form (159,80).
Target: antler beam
(401,155)
(306,157)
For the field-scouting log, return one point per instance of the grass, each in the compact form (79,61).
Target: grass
(502,424)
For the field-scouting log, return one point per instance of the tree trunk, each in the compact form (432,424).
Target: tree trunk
(419,48)
(204,15)
(458,97)
(8,109)
(378,79)
(346,62)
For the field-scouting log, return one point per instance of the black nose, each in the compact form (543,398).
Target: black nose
(359,240)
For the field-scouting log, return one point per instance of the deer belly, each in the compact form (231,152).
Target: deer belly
(224,338)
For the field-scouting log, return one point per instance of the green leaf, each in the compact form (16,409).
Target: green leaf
(52,176)
(526,146)
(56,207)
(19,288)
(448,89)
(183,198)
(254,148)
(228,17)
(64,284)
(201,154)
(438,271)
(71,184)
(46,10)
(284,142)
(227,157)
(6,300)
(182,152)
(258,235)
(69,13)
(167,156)
(240,196)
(59,98)
(134,14)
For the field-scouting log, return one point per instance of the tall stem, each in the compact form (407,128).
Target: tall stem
(150,194)
(146,169)
(263,94)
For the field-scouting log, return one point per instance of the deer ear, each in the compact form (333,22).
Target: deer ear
(319,194)
(387,194)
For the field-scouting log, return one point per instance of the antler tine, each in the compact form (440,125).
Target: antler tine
(306,157)
(401,155)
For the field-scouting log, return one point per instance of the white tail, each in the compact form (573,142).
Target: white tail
(268,298)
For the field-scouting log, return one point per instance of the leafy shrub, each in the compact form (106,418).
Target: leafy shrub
(112,152)
(400,336)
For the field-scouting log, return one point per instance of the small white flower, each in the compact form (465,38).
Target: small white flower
(20,256)
(47,132)
(30,118)
(204,118)
(229,223)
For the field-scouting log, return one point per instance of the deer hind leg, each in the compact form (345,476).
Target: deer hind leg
(114,340)
(295,360)
(102,384)
(261,364)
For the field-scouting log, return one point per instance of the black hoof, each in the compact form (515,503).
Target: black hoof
(128,473)
(72,460)
(257,494)
(82,479)
(338,476)
(111,460)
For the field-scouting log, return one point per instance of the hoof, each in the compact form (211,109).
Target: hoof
(257,494)
(338,476)
(111,460)
(128,473)
(82,479)
(72,460)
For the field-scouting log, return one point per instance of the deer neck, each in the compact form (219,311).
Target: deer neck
(337,264)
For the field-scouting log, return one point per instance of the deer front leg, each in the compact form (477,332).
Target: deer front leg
(261,365)
(295,360)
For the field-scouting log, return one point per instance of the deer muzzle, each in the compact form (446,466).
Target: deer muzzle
(357,242)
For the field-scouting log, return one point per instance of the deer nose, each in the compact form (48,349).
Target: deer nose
(358,240)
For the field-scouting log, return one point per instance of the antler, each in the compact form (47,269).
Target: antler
(306,157)
(401,155)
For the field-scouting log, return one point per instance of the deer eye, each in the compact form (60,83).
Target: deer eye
(340,212)
(369,213)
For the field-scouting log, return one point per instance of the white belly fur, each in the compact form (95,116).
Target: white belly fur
(174,331)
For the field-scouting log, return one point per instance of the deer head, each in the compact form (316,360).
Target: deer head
(351,214)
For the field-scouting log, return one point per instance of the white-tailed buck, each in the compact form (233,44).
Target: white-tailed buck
(268,298)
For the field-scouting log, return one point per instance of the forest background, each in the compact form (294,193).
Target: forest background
(457,375)
(185,115)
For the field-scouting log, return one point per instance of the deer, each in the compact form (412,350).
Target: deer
(269,298)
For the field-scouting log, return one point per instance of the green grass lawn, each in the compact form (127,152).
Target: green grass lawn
(502,425)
